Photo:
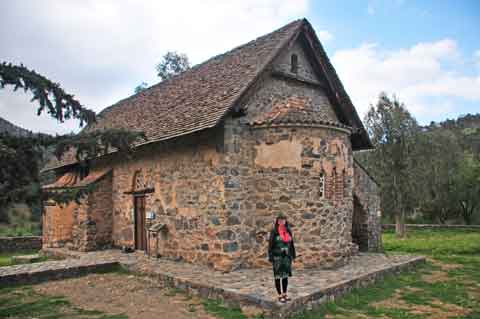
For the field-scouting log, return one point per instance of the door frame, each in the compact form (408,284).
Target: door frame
(142,245)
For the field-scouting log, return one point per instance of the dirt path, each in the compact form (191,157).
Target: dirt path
(136,297)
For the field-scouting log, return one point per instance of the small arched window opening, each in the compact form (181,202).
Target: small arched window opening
(294,63)
(138,181)
(321,191)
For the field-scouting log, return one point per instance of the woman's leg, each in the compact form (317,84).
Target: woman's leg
(277,285)
(285,284)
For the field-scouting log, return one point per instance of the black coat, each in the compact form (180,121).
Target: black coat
(291,246)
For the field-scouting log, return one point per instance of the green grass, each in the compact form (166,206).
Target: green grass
(24,302)
(412,295)
(220,310)
(435,243)
(6,258)
(20,230)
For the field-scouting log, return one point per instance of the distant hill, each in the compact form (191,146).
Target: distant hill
(466,126)
(469,121)
(12,129)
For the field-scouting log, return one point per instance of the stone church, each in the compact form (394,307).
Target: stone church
(266,127)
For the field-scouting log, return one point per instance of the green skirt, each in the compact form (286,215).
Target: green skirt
(282,267)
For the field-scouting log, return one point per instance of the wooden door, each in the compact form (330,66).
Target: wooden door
(140,232)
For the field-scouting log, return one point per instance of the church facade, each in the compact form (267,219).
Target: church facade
(264,128)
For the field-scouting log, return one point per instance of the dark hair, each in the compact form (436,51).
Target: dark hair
(287,225)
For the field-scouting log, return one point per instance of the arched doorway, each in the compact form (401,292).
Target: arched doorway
(140,188)
(359,225)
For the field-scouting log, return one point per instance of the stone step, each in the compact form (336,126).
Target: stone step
(26,259)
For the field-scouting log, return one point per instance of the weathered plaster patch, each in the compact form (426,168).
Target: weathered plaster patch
(211,157)
(282,154)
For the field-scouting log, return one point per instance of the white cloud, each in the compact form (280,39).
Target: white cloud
(420,76)
(324,35)
(100,50)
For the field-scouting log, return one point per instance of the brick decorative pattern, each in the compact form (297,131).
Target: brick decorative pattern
(13,244)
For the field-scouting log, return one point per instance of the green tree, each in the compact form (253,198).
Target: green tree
(172,63)
(393,132)
(437,154)
(142,86)
(467,187)
(20,156)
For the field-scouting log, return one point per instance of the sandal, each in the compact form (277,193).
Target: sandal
(282,299)
(287,298)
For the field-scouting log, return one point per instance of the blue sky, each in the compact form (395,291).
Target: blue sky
(425,52)
(399,25)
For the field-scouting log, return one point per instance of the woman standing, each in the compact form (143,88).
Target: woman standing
(281,252)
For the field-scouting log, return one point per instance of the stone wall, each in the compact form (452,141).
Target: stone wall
(83,226)
(100,207)
(57,224)
(367,210)
(186,179)
(281,169)
(306,173)
(13,244)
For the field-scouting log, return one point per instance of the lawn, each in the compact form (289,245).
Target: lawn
(6,258)
(24,302)
(448,286)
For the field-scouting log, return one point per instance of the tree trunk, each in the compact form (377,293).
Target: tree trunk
(467,212)
(467,216)
(400,224)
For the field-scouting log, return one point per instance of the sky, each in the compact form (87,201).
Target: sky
(425,52)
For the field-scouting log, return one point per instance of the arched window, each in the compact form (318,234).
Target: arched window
(294,63)
(321,186)
(138,181)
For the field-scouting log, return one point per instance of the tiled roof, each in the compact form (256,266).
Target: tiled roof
(72,180)
(195,99)
(200,97)
(294,110)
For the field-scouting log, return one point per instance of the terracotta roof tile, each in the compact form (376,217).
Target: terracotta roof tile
(295,110)
(72,180)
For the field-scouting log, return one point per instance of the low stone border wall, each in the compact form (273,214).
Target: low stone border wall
(12,244)
(432,226)
(50,270)
(338,290)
